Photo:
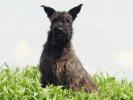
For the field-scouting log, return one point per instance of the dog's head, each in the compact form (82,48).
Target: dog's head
(61,22)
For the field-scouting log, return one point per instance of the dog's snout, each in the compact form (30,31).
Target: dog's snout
(58,29)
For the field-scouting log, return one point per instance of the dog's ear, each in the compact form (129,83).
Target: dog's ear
(49,11)
(74,11)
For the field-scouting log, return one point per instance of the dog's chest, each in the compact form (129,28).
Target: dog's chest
(61,66)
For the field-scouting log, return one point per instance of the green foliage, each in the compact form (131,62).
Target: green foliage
(24,84)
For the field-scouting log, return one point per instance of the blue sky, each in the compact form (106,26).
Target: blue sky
(103,33)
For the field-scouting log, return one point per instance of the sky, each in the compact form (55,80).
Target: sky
(103,33)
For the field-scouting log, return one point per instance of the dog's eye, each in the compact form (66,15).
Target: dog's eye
(67,20)
(54,20)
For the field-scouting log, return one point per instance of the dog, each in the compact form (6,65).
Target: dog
(59,64)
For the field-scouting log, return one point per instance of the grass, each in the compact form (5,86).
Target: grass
(24,85)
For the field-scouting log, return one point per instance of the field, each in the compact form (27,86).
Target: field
(16,84)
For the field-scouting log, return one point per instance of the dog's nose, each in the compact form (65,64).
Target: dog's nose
(59,29)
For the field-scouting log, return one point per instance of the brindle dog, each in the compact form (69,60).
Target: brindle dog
(58,63)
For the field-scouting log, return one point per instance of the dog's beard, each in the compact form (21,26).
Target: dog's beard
(61,39)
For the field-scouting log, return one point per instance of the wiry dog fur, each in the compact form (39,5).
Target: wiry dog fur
(58,63)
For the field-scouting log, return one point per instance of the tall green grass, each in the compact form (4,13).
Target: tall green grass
(24,85)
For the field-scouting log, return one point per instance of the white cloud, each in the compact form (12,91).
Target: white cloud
(123,64)
(22,50)
(125,59)
(24,54)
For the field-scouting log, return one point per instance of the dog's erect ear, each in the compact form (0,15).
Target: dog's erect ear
(49,11)
(74,11)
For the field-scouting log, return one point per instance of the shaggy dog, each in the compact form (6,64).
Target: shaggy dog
(58,63)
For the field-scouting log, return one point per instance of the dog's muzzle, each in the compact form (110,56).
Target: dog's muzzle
(58,32)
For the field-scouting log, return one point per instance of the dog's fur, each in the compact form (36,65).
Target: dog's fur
(58,63)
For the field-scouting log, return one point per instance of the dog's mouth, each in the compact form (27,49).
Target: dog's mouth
(60,38)
(58,33)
